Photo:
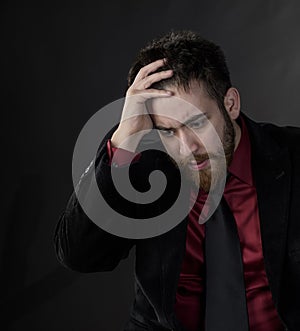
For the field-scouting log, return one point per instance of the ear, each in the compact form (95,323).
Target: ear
(232,103)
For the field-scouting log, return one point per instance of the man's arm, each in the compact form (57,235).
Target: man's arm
(79,243)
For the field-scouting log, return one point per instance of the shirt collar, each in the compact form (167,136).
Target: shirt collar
(240,167)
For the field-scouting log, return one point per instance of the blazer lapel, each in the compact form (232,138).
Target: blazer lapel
(172,249)
(271,171)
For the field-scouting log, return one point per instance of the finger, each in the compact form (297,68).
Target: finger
(146,70)
(141,96)
(158,76)
(153,93)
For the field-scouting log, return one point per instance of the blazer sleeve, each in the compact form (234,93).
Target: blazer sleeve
(79,243)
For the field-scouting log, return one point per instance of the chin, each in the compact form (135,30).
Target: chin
(201,179)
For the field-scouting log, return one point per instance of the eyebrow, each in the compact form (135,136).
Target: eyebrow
(188,121)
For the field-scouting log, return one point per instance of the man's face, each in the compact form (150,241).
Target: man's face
(188,125)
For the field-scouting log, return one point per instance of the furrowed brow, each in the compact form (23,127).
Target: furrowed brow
(188,121)
(194,118)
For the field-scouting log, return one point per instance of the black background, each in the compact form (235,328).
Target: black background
(60,64)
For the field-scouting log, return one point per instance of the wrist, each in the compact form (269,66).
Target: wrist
(128,141)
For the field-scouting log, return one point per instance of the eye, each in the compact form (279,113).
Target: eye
(167,133)
(198,123)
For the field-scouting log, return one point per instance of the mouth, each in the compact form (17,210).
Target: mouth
(196,166)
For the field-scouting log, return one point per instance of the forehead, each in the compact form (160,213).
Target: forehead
(171,111)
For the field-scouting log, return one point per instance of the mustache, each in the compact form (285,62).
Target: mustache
(198,158)
(203,157)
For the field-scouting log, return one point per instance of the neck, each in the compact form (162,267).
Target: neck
(238,134)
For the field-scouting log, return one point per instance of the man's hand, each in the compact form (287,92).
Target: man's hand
(135,118)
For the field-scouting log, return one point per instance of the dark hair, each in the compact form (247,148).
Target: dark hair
(191,57)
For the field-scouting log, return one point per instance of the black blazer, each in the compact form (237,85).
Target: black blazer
(83,246)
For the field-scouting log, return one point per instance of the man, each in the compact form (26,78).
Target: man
(173,272)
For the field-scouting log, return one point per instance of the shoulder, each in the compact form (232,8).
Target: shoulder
(266,134)
(286,136)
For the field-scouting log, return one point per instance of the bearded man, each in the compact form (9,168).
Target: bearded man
(238,267)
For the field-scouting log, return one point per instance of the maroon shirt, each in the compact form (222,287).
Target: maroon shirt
(240,194)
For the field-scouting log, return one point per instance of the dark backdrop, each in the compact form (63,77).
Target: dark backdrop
(60,64)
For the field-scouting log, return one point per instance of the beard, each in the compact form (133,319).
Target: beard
(203,179)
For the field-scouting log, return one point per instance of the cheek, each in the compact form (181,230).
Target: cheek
(171,146)
(211,138)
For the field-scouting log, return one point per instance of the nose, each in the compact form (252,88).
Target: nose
(189,143)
